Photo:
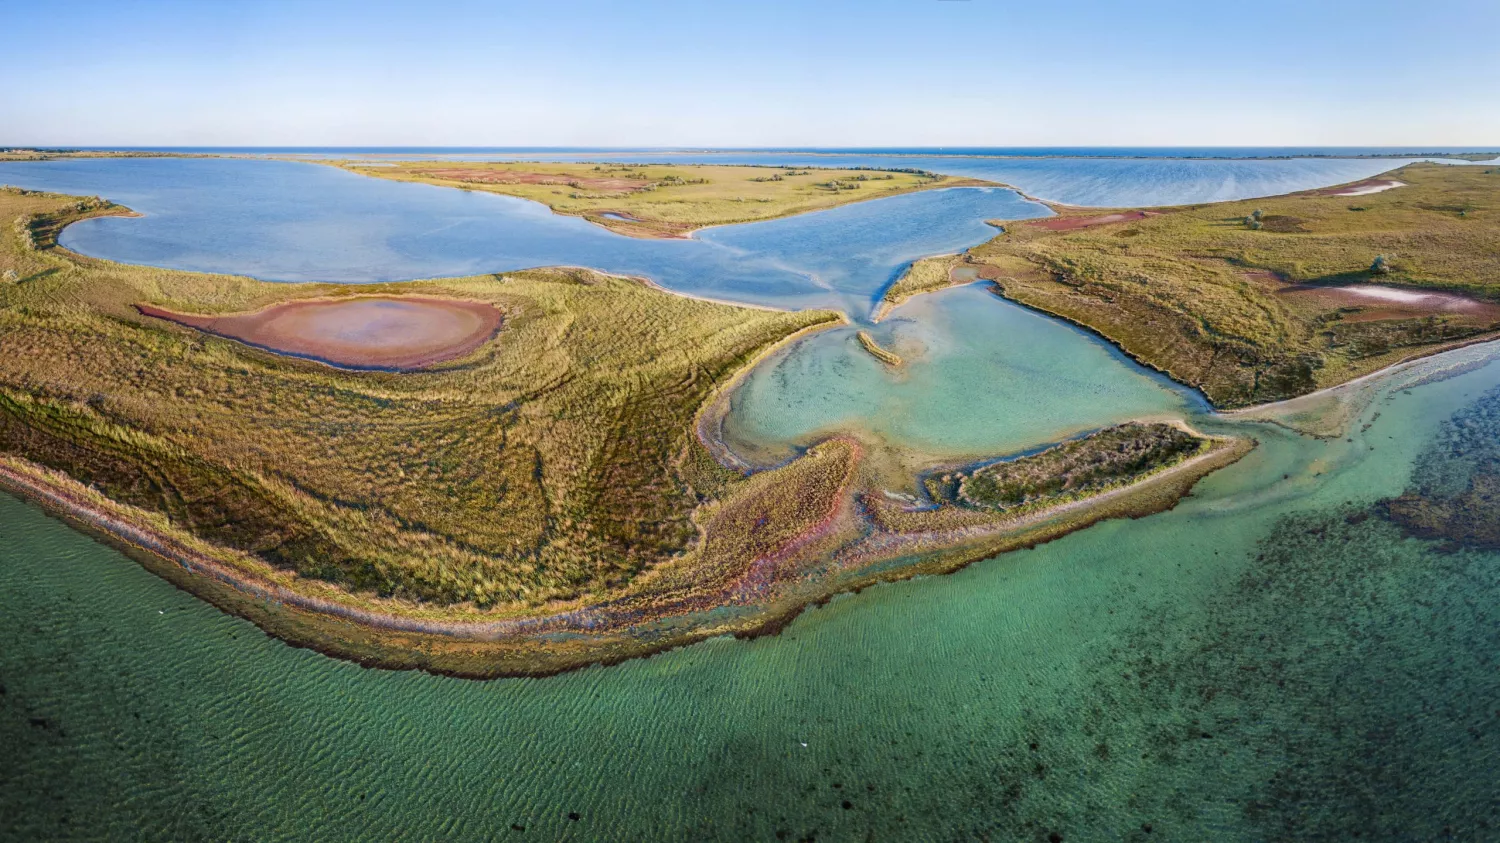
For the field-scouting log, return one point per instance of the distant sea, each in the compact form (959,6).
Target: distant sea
(971,151)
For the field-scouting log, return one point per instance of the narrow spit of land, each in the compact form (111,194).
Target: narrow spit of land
(884,355)
(1258,301)
(541,502)
(666,201)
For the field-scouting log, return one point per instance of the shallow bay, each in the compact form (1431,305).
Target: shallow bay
(981,377)
(1179,672)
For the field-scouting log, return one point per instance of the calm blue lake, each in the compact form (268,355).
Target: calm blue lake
(289,221)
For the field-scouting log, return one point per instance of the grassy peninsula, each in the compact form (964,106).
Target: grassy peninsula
(1267,299)
(546,500)
(659,200)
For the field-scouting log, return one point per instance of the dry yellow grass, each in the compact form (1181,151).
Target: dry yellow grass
(923,276)
(658,200)
(1203,293)
(465,515)
(543,467)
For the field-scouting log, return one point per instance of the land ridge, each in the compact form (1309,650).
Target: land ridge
(1256,301)
(163,431)
(455,519)
(667,201)
(362,635)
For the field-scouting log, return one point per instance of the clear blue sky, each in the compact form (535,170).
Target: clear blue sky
(716,73)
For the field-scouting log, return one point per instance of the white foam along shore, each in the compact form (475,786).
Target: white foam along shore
(1434,300)
(1374,291)
(1367,189)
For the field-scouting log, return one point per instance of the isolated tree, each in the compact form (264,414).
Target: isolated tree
(1381,266)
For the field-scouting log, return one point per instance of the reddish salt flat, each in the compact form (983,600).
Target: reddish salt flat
(366,332)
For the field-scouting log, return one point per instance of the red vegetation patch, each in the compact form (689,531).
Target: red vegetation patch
(1359,188)
(1071,223)
(365,332)
(476,175)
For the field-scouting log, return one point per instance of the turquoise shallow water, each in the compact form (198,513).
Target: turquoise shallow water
(980,377)
(1270,660)
(1254,665)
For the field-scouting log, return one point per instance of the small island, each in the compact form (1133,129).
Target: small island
(1074,469)
(886,356)
(666,200)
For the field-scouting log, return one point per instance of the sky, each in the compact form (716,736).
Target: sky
(724,73)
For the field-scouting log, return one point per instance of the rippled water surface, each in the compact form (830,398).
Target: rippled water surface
(1274,659)
(1267,661)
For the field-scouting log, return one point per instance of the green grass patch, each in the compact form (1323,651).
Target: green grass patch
(1106,459)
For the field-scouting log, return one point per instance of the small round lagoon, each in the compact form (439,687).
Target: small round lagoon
(365,332)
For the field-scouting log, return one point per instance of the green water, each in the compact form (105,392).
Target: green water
(1263,662)
(980,377)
